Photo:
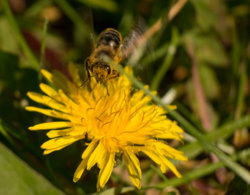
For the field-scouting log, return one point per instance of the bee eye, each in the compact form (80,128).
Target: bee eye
(107,68)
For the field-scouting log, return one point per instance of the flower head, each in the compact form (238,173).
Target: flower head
(116,119)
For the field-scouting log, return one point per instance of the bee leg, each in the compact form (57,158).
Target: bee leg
(87,79)
(88,74)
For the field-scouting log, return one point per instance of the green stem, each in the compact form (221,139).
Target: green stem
(239,170)
(167,61)
(45,27)
(159,173)
(240,99)
(34,62)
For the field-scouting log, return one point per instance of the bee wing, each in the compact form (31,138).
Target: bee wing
(133,46)
(130,42)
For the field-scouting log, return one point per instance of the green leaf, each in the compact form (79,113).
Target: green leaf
(19,178)
(205,15)
(208,49)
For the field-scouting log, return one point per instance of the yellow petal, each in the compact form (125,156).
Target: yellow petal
(65,132)
(59,142)
(58,79)
(61,81)
(169,136)
(95,156)
(79,171)
(43,99)
(168,151)
(37,97)
(106,170)
(48,112)
(101,161)
(136,181)
(172,167)
(51,125)
(156,158)
(172,107)
(65,98)
(133,163)
(48,90)
(174,127)
(74,72)
(133,166)
(88,151)
(48,151)
(47,75)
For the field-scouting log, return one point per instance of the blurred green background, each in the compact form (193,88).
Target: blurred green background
(197,60)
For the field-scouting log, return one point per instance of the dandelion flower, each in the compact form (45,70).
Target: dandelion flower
(115,119)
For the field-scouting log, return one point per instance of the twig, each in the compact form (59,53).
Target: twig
(203,106)
(201,99)
(176,9)
(158,25)
(42,53)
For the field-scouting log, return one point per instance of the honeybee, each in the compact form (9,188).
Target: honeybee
(108,45)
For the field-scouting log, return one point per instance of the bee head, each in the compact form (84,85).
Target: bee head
(101,71)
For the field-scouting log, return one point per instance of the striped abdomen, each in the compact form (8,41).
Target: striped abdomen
(110,37)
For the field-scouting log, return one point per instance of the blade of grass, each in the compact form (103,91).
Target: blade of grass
(159,173)
(33,61)
(42,53)
(240,99)
(238,169)
(157,54)
(4,132)
(193,149)
(183,110)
